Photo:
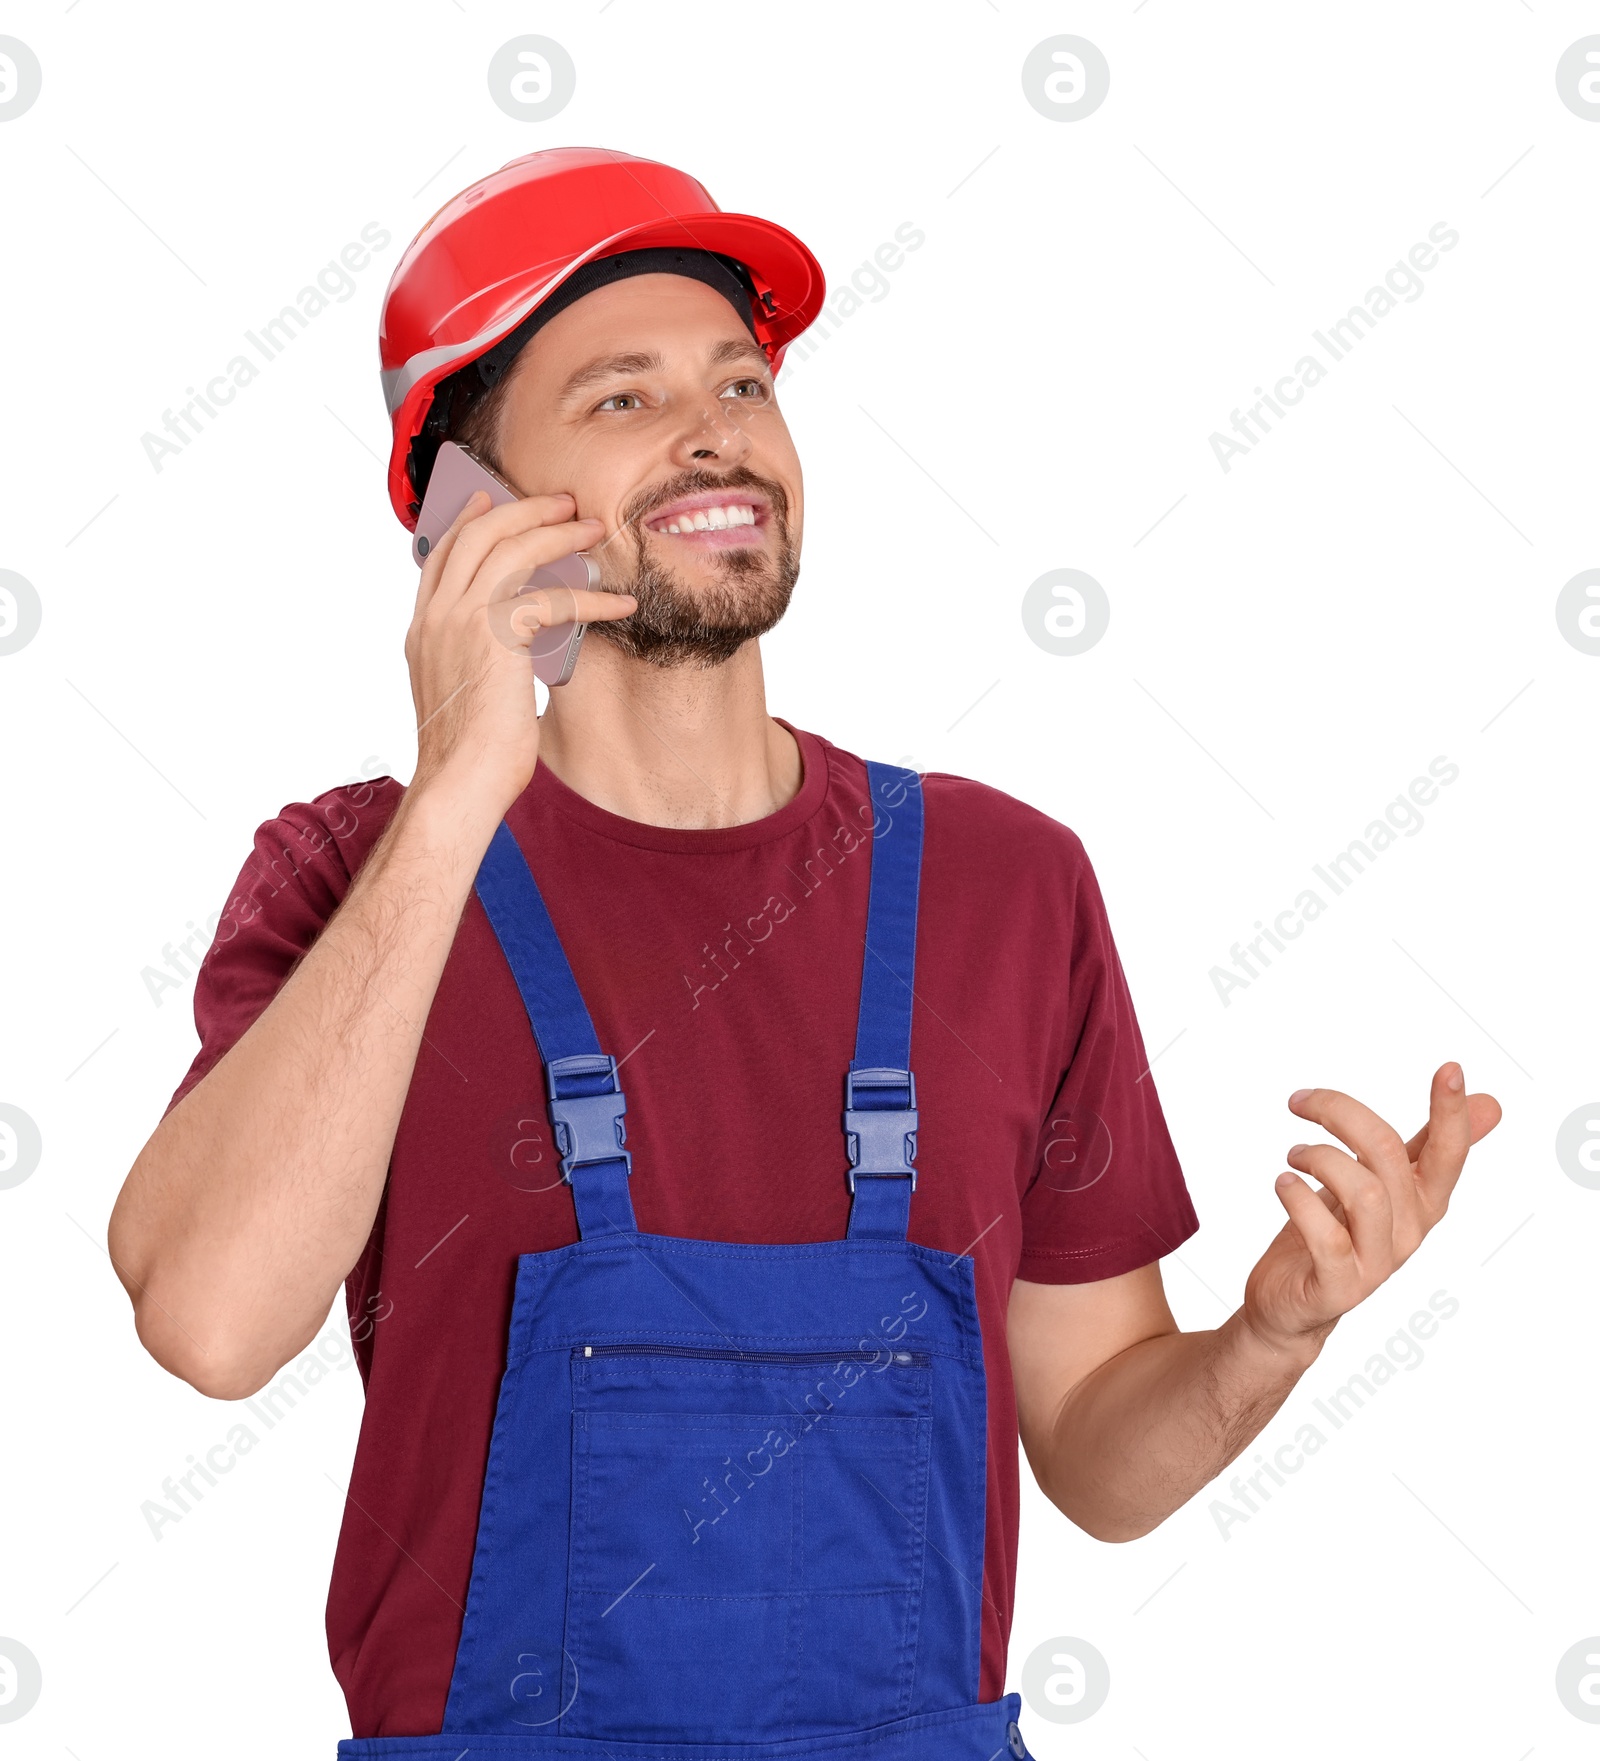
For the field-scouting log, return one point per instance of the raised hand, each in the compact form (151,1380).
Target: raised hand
(1372,1212)
(471,675)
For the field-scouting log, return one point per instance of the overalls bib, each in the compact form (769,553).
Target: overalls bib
(734,1504)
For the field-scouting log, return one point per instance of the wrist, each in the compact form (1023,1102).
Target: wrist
(461,797)
(1273,1351)
(447,820)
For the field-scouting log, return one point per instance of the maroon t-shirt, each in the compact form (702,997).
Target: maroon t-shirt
(725,967)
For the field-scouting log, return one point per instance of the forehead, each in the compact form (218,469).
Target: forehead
(672,316)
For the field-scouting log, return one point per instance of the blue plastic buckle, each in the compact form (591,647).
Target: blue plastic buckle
(588,1126)
(881,1140)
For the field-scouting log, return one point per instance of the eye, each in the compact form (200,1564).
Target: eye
(617,396)
(758,389)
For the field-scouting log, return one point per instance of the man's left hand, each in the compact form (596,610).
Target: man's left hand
(1372,1211)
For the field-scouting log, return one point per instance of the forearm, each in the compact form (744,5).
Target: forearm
(1151,1426)
(257,1192)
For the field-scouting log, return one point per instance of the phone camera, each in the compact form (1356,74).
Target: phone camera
(423,547)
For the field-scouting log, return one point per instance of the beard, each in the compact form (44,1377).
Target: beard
(677,624)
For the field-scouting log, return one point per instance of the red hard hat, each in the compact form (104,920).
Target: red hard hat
(502,246)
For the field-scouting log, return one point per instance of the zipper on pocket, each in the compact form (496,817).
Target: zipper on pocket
(758,1357)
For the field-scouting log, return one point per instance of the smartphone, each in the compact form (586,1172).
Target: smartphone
(456,475)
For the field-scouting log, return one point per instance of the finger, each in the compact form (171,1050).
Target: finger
(1415,1145)
(516,622)
(480,534)
(1442,1157)
(1374,1140)
(1327,1240)
(565,605)
(504,572)
(1483,1114)
(433,563)
(482,537)
(1364,1197)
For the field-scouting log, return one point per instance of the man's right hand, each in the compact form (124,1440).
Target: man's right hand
(467,648)
(257,1192)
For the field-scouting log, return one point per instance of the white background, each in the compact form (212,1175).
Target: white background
(1373,586)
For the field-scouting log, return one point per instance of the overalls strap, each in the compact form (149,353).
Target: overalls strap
(585,1096)
(880,1116)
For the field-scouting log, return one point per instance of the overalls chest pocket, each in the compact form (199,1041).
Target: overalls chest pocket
(748,1532)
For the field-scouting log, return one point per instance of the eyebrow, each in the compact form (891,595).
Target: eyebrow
(652,361)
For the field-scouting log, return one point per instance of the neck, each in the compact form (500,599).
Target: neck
(684,746)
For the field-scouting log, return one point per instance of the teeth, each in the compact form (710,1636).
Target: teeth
(714,519)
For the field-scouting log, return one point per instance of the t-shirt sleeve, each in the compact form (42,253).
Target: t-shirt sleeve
(299,869)
(1107,1193)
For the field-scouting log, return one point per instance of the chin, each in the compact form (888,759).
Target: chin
(700,623)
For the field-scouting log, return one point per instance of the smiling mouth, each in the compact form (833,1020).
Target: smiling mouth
(719,525)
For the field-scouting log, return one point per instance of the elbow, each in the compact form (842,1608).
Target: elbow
(186,1321)
(224,1377)
(226,1356)
(228,1383)
(1115,1531)
(212,1369)
(1108,1523)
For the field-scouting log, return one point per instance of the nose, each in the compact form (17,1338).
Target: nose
(713,432)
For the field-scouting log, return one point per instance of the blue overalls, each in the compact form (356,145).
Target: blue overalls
(734,1505)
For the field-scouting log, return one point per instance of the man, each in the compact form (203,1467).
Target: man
(692,1411)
